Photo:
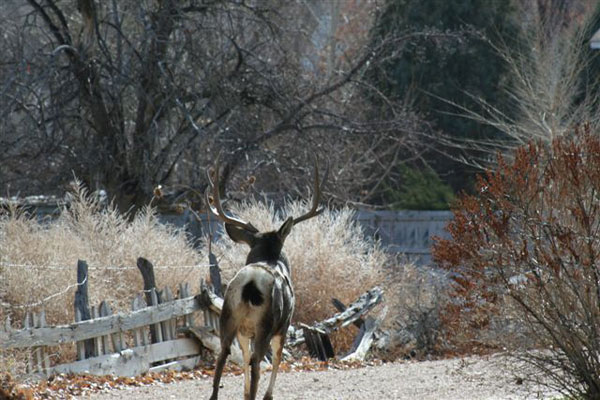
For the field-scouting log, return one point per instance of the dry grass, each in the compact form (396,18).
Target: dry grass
(329,257)
(38,258)
(38,262)
(329,254)
(415,296)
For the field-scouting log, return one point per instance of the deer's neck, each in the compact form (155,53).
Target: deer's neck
(267,255)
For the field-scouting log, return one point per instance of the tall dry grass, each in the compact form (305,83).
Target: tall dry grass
(329,254)
(38,258)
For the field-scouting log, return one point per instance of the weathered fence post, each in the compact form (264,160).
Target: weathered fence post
(82,309)
(215,275)
(147,270)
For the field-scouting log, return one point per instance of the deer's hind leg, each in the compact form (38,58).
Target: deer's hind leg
(228,333)
(277,346)
(261,345)
(245,346)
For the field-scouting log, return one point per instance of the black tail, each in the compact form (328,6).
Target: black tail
(251,294)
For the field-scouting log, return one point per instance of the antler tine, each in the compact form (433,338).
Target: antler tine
(314,211)
(215,205)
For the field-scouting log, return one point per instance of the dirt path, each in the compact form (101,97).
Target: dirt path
(460,379)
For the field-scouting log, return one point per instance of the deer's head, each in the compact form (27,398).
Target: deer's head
(264,246)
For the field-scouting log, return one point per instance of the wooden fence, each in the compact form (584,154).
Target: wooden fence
(149,338)
(162,331)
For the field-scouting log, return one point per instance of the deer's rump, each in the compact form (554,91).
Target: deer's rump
(251,294)
(260,296)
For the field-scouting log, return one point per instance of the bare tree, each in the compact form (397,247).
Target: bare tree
(549,92)
(129,95)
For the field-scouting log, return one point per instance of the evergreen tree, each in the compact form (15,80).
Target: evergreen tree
(436,70)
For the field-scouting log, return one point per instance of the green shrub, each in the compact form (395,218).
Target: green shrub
(420,189)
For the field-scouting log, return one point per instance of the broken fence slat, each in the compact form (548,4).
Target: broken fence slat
(105,339)
(209,299)
(365,303)
(156,329)
(139,334)
(341,307)
(26,325)
(361,306)
(171,324)
(45,358)
(184,291)
(318,343)
(38,351)
(97,340)
(371,325)
(358,337)
(212,305)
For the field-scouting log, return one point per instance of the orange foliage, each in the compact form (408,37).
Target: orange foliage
(529,232)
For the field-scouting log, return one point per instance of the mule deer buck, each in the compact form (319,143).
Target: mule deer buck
(259,300)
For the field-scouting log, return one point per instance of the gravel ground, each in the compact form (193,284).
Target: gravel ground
(460,379)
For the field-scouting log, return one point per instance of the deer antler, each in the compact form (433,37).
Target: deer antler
(214,202)
(314,211)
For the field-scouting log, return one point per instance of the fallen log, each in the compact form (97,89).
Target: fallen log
(318,343)
(365,303)
(363,346)
(341,307)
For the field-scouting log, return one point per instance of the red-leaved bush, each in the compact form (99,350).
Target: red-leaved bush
(528,244)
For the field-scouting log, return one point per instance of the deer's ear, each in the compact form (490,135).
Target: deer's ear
(286,228)
(240,235)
